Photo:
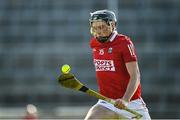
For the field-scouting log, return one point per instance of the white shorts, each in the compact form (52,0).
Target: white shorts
(137,105)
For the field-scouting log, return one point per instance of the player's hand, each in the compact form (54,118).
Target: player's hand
(120,103)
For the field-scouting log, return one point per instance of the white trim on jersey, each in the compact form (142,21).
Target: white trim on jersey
(113,36)
(131,49)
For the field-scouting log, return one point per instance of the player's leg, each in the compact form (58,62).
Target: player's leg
(144,112)
(137,105)
(101,112)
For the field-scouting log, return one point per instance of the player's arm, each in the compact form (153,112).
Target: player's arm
(133,70)
(130,58)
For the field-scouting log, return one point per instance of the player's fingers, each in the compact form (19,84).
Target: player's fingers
(119,104)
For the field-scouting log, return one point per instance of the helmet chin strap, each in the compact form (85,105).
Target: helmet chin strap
(103,39)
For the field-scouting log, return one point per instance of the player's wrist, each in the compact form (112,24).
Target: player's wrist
(126,99)
(125,102)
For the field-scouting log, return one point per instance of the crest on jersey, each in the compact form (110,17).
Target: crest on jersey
(101,51)
(110,50)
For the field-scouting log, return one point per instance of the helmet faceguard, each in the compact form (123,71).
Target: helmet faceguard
(101,24)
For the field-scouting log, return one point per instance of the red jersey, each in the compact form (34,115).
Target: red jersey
(109,60)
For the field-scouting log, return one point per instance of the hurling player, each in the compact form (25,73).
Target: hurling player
(117,70)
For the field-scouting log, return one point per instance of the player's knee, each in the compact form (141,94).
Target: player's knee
(90,117)
(95,116)
(91,113)
(99,112)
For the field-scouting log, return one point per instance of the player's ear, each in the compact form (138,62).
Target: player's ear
(113,25)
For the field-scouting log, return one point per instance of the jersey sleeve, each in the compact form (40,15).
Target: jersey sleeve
(128,51)
(92,43)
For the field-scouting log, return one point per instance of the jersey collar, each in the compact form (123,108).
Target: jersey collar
(113,36)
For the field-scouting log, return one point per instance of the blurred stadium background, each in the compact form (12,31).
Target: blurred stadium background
(38,36)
